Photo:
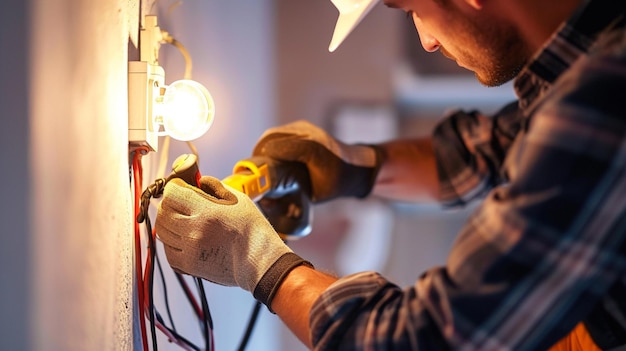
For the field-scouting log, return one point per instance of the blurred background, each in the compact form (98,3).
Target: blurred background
(66,209)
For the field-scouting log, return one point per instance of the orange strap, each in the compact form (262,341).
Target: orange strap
(577,340)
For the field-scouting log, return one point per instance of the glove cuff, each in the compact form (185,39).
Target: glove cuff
(373,174)
(274,276)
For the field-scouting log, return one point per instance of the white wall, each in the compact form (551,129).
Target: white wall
(66,238)
(81,206)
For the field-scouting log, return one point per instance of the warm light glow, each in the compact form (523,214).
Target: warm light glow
(186,110)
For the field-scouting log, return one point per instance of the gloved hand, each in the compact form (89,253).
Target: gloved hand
(218,234)
(335,169)
(287,205)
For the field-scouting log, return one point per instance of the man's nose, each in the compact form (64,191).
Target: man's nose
(429,43)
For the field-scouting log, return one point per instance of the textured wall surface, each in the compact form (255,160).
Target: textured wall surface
(81,205)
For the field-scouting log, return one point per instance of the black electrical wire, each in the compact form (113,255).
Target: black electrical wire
(251,322)
(155,190)
(165,295)
(207,322)
(190,299)
(159,318)
(151,283)
(175,334)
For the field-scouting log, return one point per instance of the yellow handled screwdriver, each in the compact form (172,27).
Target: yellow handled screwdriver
(250,176)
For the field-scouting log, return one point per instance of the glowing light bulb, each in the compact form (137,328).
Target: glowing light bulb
(186,110)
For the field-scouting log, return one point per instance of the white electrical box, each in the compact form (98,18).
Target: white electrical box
(144,82)
(145,79)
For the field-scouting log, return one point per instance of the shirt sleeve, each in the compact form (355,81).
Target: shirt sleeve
(533,259)
(470,149)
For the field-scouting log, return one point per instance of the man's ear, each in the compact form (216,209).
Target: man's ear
(476,4)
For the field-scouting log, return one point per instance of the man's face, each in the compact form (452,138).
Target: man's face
(478,41)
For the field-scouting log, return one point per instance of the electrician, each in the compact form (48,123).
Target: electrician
(540,264)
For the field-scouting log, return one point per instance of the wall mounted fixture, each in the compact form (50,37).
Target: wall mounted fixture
(183,109)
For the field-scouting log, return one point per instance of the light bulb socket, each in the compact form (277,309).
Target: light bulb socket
(186,110)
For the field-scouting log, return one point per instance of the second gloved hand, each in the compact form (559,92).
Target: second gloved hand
(219,235)
(335,169)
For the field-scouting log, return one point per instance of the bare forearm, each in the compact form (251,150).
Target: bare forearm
(296,296)
(409,172)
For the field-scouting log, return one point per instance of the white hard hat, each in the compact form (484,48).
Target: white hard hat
(351,12)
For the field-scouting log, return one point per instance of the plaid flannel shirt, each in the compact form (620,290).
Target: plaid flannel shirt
(546,247)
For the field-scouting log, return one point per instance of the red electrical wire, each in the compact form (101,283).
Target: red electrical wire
(171,337)
(144,274)
(143,278)
(137,181)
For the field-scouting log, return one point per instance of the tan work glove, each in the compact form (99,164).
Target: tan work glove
(218,234)
(335,169)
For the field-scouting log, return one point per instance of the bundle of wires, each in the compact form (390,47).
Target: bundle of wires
(145,274)
(145,277)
